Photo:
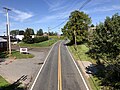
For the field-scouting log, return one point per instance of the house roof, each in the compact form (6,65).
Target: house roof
(2,40)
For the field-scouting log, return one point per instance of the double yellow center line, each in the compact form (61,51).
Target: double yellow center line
(59,69)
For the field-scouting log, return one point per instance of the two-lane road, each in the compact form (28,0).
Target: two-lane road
(59,72)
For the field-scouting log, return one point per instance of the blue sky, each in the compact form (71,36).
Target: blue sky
(38,14)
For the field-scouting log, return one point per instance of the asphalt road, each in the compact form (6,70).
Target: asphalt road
(59,72)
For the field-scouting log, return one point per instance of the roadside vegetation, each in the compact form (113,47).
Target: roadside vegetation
(3,82)
(100,46)
(15,55)
(82,52)
(18,55)
(5,85)
(41,44)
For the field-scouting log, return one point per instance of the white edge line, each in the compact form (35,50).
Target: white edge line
(41,68)
(78,70)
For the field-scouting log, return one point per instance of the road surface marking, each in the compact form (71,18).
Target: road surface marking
(41,68)
(78,70)
(59,69)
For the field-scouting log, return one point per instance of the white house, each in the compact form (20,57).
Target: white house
(20,37)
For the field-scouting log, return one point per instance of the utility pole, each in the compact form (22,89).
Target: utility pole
(8,29)
(75,39)
(48,31)
(48,35)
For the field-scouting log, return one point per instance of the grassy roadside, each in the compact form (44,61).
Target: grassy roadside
(41,44)
(3,82)
(19,55)
(81,52)
(16,55)
(4,85)
(94,83)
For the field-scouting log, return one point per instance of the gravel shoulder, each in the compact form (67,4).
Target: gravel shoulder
(12,70)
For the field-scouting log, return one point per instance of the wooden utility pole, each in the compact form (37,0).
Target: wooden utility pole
(8,30)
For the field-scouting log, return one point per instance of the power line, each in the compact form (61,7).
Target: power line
(84,4)
(59,24)
(68,18)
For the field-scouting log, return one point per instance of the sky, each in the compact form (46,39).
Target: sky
(42,14)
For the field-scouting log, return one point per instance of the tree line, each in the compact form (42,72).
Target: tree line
(38,33)
(103,43)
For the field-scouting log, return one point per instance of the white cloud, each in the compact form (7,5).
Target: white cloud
(21,15)
(103,9)
(60,16)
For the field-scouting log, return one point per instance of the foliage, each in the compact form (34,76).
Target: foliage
(28,39)
(77,24)
(52,33)
(21,32)
(40,44)
(19,55)
(40,32)
(3,55)
(40,39)
(30,30)
(3,82)
(92,25)
(14,32)
(27,36)
(105,46)
(81,52)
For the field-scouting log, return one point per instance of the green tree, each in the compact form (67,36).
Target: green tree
(14,32)
(27,36)
(105,47)
(21,32)
(31,31)
(40,32)
(92,25)
(78,23)
(52,33)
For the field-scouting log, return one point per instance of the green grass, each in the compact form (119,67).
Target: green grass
(3,55)
(19,55)
(4,85)
(16,54)
(94,83)
(41,44)
(56,37)
(3,82)
(80,54)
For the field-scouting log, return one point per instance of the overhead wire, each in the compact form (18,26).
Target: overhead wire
(68,18)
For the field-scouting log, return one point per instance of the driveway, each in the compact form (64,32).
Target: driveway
(12,70)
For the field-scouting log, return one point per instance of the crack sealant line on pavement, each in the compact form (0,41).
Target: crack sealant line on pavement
(42,67)
(59,69)
(87,88)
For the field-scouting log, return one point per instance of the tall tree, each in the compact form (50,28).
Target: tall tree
(31,31)
(40,32)
(21,32)
(14,32)
(105,47)
(27,36)
(77,24)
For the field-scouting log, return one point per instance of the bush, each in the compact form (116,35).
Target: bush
(40,39)
(28,40)
(35,40)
